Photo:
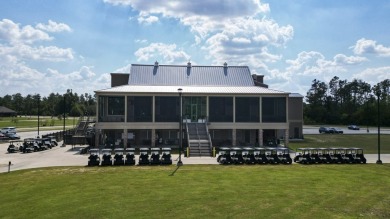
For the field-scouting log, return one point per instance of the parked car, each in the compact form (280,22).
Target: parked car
(336,131)
(13,136)
(324,130)
(3,136)
(353,127)
(7,130)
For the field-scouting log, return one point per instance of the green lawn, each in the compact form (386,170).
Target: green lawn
(31,122)
(198,191)
(368,142)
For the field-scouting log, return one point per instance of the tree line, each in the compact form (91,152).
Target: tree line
(343,102)
(53,105)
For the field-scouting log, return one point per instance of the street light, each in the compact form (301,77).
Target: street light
(378,93)
(180,163)
(39,100)
(63,132)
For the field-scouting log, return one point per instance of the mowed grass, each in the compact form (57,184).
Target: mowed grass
(32,122)
(198,191)
(369,142)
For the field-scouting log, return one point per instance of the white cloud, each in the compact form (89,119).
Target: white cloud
(364,46)
(341,59)
(147,20)
(53,26)
(168,52)
(374,75)
(234,31)
(12,33)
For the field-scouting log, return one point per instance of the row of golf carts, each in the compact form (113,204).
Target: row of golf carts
(32,145)
(329,156)
(121,156)
(254,155)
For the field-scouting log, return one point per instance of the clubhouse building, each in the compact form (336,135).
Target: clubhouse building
(221,106)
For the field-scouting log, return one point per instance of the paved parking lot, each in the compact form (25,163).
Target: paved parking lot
(66,156)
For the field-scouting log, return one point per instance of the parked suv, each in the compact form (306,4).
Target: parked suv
(8,130)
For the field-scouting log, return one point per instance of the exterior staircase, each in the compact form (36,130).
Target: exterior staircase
(199,141)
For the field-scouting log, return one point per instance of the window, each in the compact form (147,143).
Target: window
(116,106)
(111,108)
(167,109)
(139,109)
(221,109)
(274,109)
(247,109)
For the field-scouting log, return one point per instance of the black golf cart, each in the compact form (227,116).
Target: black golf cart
(143,156)
(224,156)
(106,158)
(166,158)
(303,156)
(94,157)
(130,158)
(260,156)
(119,159)
(29,145)
(284,155)
(236,155)
(248,155)
(155,156)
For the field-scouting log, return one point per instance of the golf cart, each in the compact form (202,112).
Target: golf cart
(41,144)
(94,157)
(119,159)
(12,148)
(53,140)
(271,155)
(236,155)
(47,142)
(29,145)
(130,159)
(155,156)
(323,155)
(357,155)
(106,158)
(336,155)
(248,155)
(302,155)
(143,156)
(284,155)
(166,158)
(224,156)
(259,154)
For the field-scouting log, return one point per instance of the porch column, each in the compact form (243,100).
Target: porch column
(124,138)
(260,137)
(97,135)
(234,137)
(286,137)
(153,138)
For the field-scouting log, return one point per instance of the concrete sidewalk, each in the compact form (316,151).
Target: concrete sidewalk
(66,156)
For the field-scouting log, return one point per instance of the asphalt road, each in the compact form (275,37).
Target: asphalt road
(371,130)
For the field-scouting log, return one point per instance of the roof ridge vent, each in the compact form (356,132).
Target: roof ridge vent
(156,64)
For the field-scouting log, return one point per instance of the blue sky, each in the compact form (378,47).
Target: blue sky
(51,46)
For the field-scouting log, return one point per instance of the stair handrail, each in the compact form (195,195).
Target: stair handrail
(188,135)
(208,133)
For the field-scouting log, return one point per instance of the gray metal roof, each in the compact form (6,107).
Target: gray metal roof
(295,95)
(136,89)
(181,75)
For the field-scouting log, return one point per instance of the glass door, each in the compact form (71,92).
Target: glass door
(194,112)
